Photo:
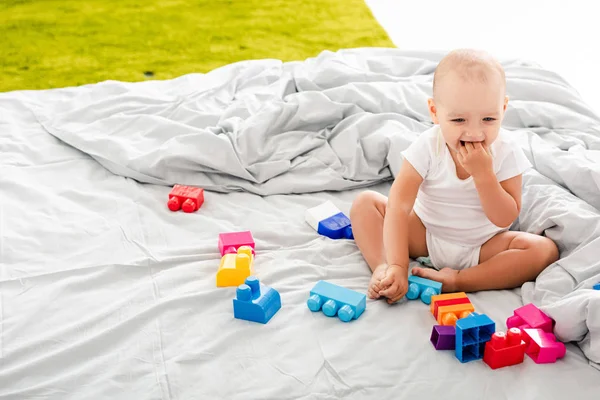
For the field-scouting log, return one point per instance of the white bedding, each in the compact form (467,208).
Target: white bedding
(105,293)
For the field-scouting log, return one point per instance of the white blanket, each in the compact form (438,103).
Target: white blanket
(105,293)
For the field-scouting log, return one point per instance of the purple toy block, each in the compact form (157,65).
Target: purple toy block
(530,317)
(443,337)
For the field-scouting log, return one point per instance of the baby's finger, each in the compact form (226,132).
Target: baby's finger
(387,281)
(389,291)
(373,294)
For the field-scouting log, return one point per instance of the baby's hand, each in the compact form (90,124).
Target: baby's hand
(475,159)
(395,283)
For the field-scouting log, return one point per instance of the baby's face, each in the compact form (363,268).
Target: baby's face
(469,110)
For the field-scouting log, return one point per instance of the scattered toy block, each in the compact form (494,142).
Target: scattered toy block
(443,337)
(230,242)
(447,299)
(596,286)
(472,333)
(530,317)
(336,300)
(424,288)
(329,221)
(505,349)
(235,267)
(542,347)
(186,198)
(256,302)
(448,315)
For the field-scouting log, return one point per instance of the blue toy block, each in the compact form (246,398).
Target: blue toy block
(256,302)
(333,299)
(425,288)
(597,286)
(472,333)
(329,221)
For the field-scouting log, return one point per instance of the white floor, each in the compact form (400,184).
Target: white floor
(561,36)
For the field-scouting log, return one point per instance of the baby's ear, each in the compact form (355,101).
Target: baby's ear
(432,110)
(505,103)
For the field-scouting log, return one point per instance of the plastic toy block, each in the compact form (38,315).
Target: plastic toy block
(448,315)
(232,241)
(542,347)
(443,337)
(329,221)
(596,286)
(186,198)
(448,299)
(235,268)
(472,333)
(505,349)
(256,302)
(530,317)
(336,300)
(424,288)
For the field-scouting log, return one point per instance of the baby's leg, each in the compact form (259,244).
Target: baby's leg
(367,215)
(506,261)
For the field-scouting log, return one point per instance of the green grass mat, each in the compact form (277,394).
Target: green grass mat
(59,43)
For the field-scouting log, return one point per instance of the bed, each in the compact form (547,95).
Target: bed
(107,294)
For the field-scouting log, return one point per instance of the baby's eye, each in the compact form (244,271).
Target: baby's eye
(489,119)
(458,120)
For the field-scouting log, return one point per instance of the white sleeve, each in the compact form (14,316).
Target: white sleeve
(514,163)
(418,154)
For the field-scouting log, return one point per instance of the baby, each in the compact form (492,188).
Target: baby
(456,194)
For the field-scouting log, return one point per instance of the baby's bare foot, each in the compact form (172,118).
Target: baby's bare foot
(375,284)
(447,276)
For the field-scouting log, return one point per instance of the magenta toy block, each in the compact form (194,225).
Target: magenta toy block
(232,241)
(542,347)
(530,317)
(443,337)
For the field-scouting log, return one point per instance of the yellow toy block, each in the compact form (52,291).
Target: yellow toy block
(448,315)
(444,297)
(235,267)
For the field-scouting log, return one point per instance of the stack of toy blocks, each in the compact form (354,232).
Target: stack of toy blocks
(505,349)
(255,302)
(472,334)
(542,346)
(335,300)
(450,307)
(423,288)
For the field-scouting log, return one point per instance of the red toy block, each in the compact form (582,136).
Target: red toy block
(542,347)
(186,198)
(530,317)
(232,241)
(505,349)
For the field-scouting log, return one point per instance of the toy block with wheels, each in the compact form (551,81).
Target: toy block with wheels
(448,299)
(530,317)
(255,302)
(230,242)
(472,334)
(443,337)
(505,349)
(336,300)
(235,267)
(423,288)
(186,198)
(542,347)
(329,221)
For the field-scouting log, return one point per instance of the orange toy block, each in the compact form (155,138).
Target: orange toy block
(447,299)
(448,315)
(235,267)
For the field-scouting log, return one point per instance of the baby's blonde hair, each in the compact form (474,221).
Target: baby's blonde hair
(468,64)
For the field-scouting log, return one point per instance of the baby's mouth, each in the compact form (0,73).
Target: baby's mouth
(463,142)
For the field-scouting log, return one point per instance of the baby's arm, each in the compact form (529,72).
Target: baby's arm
(501,201)
(395,230)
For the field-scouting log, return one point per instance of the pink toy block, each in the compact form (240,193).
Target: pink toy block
(530,317)
(232,241)
(542,347)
